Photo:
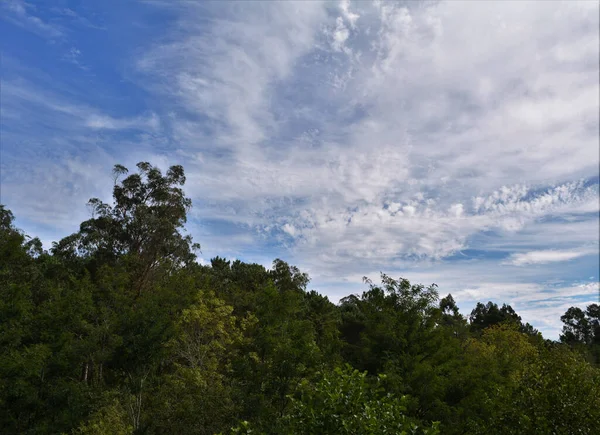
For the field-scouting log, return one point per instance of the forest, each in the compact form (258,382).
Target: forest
(117,329)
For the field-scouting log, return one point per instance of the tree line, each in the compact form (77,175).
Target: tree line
(118,330)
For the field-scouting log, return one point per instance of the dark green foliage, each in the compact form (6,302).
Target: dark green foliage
(119,331)
(484,316)
(388,322)
(581,330)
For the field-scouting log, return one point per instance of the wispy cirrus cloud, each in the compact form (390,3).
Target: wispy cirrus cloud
(24,15)
(78,18)
(73,56)
(223,70)
(104,122)
(20,97)
(57,151)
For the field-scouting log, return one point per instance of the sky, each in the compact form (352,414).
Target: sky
(453,143)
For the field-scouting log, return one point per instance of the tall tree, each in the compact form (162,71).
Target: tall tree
(143,226)
(581,329)
(484,316)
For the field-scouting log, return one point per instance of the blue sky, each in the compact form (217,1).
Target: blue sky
(447,142)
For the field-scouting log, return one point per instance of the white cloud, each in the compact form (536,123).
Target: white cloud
(509,134)
(57,154)
(340,35)
(545,256)
(78,19)
(456,210)
(104,122)
(350,16)
(289,229)
(22,97)
(73,56)
(226,70)
(21,14)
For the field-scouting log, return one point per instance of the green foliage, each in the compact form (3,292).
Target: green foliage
(117,330)
(345,401)
(141,229)
(388,323)
(194,395)
(110,419)
(281,350)
(555,393)
(581,330)
(484,316)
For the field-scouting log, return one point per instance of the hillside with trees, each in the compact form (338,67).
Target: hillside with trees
(118,330)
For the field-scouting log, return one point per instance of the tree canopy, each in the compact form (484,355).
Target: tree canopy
(118,330)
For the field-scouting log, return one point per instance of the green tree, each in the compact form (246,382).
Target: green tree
(557,392)
(119,330)
(44,328)
(142,227)
(388,322)
(109,419)
(484,316)
(195,394)
(345,401)
(582,330)
(451,319)
(325,319)
(490,369)
(282,346)
(396,329)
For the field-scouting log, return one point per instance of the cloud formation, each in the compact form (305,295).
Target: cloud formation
(412,128)
(544,257)
(346,137)
(24,15)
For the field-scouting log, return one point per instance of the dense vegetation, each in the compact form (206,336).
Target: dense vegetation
(117,330)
